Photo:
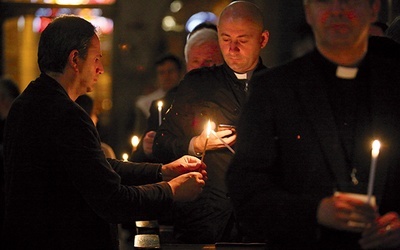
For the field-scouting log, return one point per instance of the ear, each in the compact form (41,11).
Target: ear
(375,8)
(307,14)
(264,38)
(73,59)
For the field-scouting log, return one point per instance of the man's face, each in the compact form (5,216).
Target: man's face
(91,67)
(168,75)
(204,55)
(241,41)
(340,22)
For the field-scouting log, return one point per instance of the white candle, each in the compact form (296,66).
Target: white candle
(208,136)
(134,142)
(160,106)
(376,145)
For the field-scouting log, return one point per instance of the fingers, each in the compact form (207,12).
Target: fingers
(384,233)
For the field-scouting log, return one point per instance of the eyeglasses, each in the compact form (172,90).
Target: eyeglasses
(348,3)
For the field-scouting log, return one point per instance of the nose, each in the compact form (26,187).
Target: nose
(100,69)
(233,46)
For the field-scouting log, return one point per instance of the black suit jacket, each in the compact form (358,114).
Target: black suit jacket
(61,192)
(289,156)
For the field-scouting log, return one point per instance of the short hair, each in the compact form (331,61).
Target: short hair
(201,36)
(86,102)
(8,88)
(59,38)
(169,57)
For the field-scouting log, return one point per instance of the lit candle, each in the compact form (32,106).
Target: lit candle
(160,105)
(125,157)
(374,157)
(135,142)
(208,136)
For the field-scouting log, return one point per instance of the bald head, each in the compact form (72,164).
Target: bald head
(242,10)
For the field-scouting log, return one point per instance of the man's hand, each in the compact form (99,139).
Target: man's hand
(183,165)
(148,141)
(383,233)
(345,213)
(228,135)
(187,187)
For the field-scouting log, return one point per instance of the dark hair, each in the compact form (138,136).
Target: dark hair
(86,102)
(59,38)
(169,57)
(8,88)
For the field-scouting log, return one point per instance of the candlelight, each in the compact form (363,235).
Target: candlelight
(160,106)
(134,142)
(208,136)
(376,145)
(125,157)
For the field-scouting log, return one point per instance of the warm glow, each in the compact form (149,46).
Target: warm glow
(208,129)
(376,145)
(125,156)
(160,105)
(135,141)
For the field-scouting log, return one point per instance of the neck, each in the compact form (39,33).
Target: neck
(66,82)
(344,56)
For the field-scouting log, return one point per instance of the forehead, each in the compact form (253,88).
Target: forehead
(94,46)
(238,26)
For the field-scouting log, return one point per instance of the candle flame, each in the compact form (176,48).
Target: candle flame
(135,141)
(125,157)
(208,129)
(376,145)
(160,105)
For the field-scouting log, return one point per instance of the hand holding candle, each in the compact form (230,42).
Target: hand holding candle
(160,106)
(374,157)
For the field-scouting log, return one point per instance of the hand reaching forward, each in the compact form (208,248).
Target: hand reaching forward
(183,165)
(383,233)
(187,187)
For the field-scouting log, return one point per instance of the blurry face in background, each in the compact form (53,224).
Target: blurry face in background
(168,75)
(204,55)
(341,22)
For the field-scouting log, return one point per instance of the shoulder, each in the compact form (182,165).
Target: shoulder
(291,70)
(384,47)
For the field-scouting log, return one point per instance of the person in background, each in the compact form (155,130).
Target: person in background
(201,50)
(306,134)
(87,103)
(8,92)
(169,72)
(393,32)
(61,191)
(216,94)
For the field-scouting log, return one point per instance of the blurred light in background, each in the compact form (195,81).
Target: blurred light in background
(198,18)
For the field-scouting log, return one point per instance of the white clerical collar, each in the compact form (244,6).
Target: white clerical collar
(241,76)
(346,72)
